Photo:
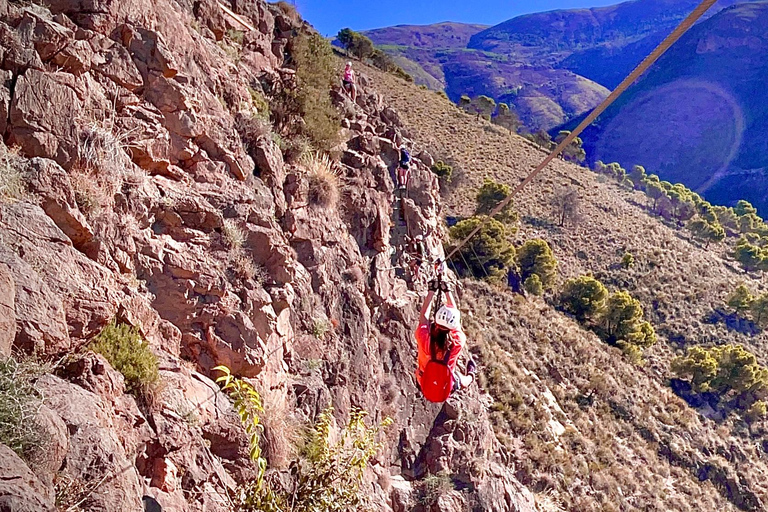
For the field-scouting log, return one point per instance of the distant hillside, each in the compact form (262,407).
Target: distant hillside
(700,116)
(551,66)
(439,35)
(437,57)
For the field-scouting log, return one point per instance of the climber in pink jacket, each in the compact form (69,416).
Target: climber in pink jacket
(348,81)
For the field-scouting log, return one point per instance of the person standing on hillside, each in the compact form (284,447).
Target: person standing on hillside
(439,344)
(348,81)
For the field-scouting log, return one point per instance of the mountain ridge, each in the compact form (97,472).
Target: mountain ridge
(710,84)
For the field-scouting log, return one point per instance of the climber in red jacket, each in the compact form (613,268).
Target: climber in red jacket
(439,346)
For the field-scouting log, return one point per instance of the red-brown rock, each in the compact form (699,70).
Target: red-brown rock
(20,489)
(7,311)
(41,114)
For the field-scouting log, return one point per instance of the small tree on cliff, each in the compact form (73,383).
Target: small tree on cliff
(740,299)
(489,196)
(584,297)
(315,75)
(507,118)
(565,206)
(759,308)
(483,106)
(707,232)
(637,176)
(488,254)
(728,370)
(573,152)
(356,43)
(622,320)
(536,257)
(655,191)
(750,256)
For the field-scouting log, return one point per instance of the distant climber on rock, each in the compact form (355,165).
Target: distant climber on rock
(348,81)
(415,250)
(403,168)
(439,344)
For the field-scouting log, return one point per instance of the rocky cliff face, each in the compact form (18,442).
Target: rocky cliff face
(124,113)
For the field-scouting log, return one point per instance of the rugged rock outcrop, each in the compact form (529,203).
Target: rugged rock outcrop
(135,178)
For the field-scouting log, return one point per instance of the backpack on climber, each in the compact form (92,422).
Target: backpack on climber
(440,344)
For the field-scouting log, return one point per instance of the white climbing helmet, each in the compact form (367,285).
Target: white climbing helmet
(448,317)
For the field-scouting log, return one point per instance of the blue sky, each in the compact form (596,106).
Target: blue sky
(329,16)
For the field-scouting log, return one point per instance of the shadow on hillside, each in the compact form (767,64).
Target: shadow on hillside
(733,322)
(547,224)
(707,404)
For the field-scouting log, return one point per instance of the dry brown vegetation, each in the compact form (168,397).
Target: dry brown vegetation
(586,427)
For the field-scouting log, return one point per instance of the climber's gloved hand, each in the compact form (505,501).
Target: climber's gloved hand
(433,285)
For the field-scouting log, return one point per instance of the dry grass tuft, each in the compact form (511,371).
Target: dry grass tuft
(104,147)
(282,432)
(289,10)
(251,128)
(19,405)
(233,235)
(11,174)
(245,268)
(323,179)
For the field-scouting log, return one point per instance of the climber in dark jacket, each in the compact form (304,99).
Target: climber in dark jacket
(403,168)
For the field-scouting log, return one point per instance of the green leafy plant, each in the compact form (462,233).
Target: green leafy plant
(333,471)
(329,475)
(740,299)
(247,403)
(628,260)
(443,171)
(124,348)
(315,75)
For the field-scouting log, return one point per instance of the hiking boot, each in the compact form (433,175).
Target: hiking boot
(471,367)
